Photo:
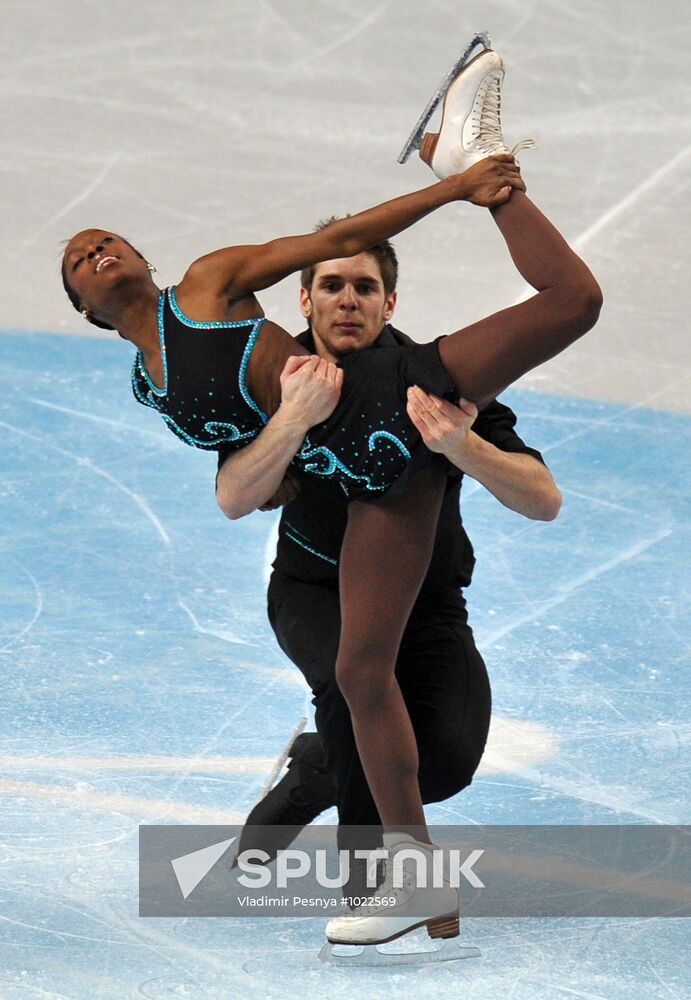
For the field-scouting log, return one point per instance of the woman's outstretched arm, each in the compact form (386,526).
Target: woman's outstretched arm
(235,272)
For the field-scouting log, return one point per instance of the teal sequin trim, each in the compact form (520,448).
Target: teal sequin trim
(139,360)
(389,437)
(225,433)
(333,463)
(218,427)
(146,398)
(307,452)
(292,534)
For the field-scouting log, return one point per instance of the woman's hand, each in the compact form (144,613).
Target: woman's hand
(489,182)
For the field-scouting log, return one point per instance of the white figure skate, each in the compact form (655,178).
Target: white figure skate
(471,118)
(480,40)
(432,905)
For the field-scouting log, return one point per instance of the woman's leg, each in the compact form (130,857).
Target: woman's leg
(385,553)
(486,357)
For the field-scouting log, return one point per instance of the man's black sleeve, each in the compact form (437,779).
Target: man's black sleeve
(496,424)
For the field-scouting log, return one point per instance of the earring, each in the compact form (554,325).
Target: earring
(85,313)
(152,269)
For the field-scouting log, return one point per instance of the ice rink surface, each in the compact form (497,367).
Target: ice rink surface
(141,680)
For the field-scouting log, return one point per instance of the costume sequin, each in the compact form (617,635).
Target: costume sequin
(368,444)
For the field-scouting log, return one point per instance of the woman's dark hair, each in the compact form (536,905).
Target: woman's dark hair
(74,298)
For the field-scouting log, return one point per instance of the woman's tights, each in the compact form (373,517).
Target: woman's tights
(486,357)
(387,545)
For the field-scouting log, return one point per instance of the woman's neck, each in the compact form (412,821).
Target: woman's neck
(136,319)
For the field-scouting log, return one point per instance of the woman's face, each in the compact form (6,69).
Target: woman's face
(95,262)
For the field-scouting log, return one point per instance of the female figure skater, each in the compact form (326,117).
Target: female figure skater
(211,364)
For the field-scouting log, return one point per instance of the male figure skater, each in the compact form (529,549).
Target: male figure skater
(348,304)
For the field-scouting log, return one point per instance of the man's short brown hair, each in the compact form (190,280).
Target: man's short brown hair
(383,252)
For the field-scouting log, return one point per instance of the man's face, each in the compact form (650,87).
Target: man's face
(347,305)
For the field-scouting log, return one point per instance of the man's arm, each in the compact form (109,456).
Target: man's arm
(248,478)
(518,480)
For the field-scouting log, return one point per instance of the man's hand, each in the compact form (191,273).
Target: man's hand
(489,182)
(310,389)
(254,477)
(445,428)
(287,491)
(519,481)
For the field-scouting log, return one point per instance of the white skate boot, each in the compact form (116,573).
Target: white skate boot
(471,119)
(479,41)
(414,894)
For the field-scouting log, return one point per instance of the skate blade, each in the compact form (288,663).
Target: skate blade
(415,137)
(357,956)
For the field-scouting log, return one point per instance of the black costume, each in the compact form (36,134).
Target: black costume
(439,669)
(204,398)
(368,445)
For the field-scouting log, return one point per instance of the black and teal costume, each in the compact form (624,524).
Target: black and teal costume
(368,445)
(204,398)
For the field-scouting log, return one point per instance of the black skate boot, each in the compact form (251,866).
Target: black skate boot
(301,795)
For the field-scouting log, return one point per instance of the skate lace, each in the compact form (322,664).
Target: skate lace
(387,889)
(486,120)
